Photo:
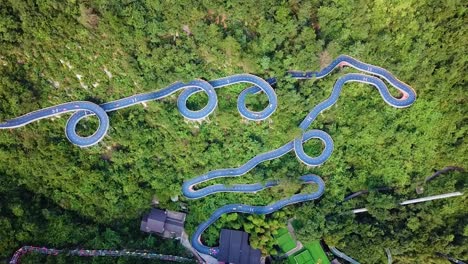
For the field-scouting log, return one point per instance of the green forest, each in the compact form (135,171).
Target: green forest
(58,195)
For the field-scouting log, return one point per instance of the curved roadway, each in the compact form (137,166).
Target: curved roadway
(83,109)
(249,209)
(188,188)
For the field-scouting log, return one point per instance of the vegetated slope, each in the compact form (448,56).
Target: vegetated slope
(94,50)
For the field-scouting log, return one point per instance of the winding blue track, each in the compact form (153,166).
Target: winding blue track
(249,209)
(188,187)
(83,109)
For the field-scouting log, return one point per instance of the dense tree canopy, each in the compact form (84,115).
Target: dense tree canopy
(53,193)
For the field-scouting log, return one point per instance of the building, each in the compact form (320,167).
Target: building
(168,224)
(234,248)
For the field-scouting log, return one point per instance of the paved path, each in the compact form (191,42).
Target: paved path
(188,187)
(82,109)
(298,247)
(342,255)
(95,253)
(184,240)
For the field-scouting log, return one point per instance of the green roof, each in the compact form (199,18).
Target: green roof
(311,254)
(284,240)
(302,257)
(317,252)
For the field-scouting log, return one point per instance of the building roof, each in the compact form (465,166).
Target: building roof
(304,257)
(234,248)
(176,215)
(317,252)
(311,253)
(173,226)
(168,224)
(154,221)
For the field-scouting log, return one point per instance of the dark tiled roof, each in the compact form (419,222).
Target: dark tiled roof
(174,228)
(170,221)
(154,222)
(143,223)
(234,248)
(168,224)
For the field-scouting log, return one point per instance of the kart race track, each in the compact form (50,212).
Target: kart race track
(82,109)
(188,187)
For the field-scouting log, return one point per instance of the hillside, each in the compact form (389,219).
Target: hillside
(55,194)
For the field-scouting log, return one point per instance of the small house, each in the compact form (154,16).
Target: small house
(165,223)
(234,248)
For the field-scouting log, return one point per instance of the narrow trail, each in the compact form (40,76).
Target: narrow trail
(95,253)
